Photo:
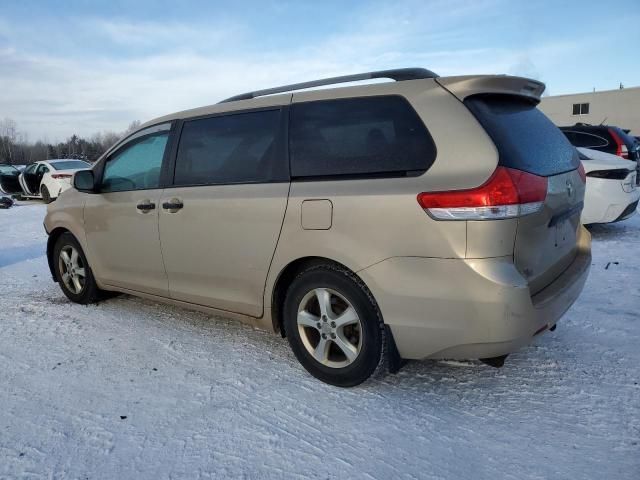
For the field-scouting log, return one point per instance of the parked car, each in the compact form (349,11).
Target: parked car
(423,218)
(605,138)
(48,178)
(9,183)
(611,193)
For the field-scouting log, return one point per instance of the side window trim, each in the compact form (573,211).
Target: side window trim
(282,141)
(168,128)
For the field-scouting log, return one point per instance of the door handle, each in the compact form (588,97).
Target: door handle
(146,206)
(173,205)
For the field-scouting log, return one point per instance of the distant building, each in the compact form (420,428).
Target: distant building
(619,107)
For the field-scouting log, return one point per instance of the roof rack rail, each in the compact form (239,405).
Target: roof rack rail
(399,75)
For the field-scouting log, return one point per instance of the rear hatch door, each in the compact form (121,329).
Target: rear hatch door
(546,241)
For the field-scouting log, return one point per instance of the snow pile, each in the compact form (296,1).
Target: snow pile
(132,389)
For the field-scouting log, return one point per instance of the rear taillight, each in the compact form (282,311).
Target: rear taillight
(581,172)
(617,174)
(621,147)
(508,193)
(58,176)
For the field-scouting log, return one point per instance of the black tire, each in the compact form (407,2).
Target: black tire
(371,358)
(46,196)
(90,292)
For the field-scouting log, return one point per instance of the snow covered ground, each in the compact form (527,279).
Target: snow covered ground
(132,389)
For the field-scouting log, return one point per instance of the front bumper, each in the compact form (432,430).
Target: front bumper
(469,308)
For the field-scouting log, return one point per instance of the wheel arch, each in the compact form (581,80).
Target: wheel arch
(54,235)
(284,279)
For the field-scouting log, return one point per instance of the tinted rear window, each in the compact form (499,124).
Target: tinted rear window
(526,139)
(369,136)
(586,140)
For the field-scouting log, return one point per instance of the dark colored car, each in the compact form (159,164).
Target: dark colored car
(605,138)
(9,183)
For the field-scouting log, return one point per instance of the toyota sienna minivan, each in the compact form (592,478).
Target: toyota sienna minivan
(426,217)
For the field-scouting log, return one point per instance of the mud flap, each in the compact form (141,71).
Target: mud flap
(495,362)
(394,361)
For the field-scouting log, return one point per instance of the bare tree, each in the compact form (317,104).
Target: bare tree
(15,146)
(8,134)
(132,126)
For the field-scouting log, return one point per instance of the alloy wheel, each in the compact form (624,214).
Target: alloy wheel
(72,269)
(329,327)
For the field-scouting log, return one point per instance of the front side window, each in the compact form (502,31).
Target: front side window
(367,136)
(234,148)
(137,166)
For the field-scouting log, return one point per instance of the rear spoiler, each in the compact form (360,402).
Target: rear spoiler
(466,86)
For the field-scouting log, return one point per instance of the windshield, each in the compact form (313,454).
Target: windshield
(8,169)
(70,165)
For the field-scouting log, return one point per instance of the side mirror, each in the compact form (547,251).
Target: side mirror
(84,181)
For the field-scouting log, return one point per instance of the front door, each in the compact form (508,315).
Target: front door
(219,223)
(121,221)
(28,179)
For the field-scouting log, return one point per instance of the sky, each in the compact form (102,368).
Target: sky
(86,66)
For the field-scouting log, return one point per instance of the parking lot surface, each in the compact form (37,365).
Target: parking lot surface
(133,389)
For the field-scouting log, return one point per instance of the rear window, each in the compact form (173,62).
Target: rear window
(358,137)
(526,139)
(586,140)
(70,165)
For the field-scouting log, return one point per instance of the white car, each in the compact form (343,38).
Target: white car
(612,194)
(48,178)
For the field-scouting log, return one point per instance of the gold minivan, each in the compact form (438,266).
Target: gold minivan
(425,217)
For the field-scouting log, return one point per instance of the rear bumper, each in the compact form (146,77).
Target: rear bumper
(606,201)
(473,308)
(59,187)
(628,212)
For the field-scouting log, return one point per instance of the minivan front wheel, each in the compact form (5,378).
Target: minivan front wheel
(333,325)
(73,272)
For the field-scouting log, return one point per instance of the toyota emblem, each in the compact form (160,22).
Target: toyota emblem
(569,188)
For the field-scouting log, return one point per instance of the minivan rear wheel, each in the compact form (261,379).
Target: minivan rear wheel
(73,272)
(333,325)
